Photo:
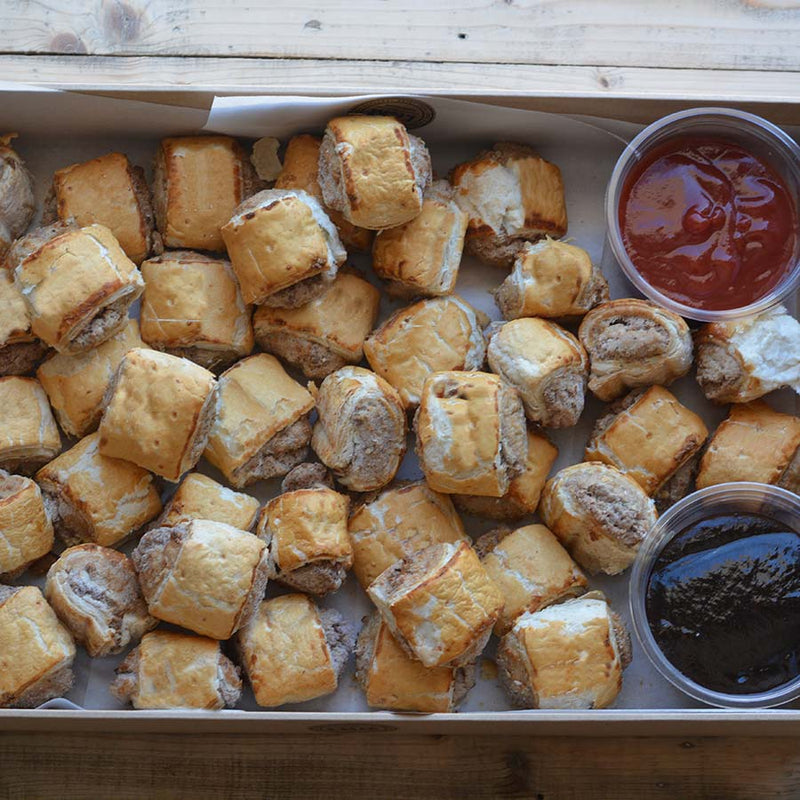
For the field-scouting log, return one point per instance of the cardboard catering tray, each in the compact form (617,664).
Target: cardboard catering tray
(57,129)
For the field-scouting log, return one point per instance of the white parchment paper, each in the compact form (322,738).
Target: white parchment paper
(60,129)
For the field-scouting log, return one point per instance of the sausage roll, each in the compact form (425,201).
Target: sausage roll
(391,679)
(192,307)
(439,604)
(306,533)
(398,522)
(262,428)
(360,433)
(633,343)
(524,491)
(36,650)
(29,435)
(283,247)
(159,412)
(403,351)
(326,334)
(20,350)
(653,439)
(471,435)
(17,204)
(301,171)
(26,532)
(512,196)
(293,651)
(174,670)
(110,191)
(546,364)
(76,385)
(373,171)
(94,498)
(551,279)
(422,256)
(531,570)
(78,286)
(205,576)
(567,656)
(599,514)
(744,359)
(754,443)
(200,497)
(94,592)
(197,184)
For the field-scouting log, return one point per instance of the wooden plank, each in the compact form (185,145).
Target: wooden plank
(346,765)
(650,92)
(708,34)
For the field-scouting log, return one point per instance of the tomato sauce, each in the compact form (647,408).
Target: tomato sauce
(707,223)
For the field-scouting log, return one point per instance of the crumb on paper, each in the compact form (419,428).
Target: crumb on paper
(265,158)
(488,669)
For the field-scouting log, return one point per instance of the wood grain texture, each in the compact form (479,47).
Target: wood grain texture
(348,766)
(717,34)
(638,94)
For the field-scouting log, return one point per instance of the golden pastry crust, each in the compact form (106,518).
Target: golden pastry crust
(305,526)
(202,575)
(200,497)
(551,279)
(174,670)
(744,359)
(599,514)
(29,435)
(360,433)
(566,656)
(94,592)
(753,443)
(78,287)
(257,402)
(110,191)
(524,491)
(633,343)
(159,412)
(471,436)
(77,384)
(398,522)
(26,532)
(17,203)
(300,171)
(546,364)
(403,351)
(288,653)
(36,650)
(422,256)
(372,171)
(278,238)
(511,195)
(192,307)
(20,350)
(198,183)
(391,679)
(94,498)
(531,570)
(440,604)
(325,334)
(649,438)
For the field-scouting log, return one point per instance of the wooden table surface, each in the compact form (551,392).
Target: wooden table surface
(726,50)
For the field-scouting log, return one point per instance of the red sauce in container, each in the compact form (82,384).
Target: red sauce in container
(707,223)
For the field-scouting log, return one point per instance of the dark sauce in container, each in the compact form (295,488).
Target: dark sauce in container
(723,603)
(708,223)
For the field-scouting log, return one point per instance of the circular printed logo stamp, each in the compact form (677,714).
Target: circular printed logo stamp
(413,113)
